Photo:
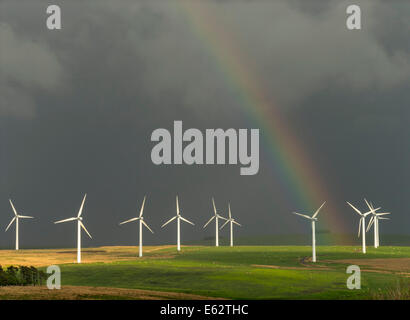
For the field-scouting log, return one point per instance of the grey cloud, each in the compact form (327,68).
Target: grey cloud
(25,67)
(297,53)
(121,69)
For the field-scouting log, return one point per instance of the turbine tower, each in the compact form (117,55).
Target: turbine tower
(362,225)
(16,218)
(313,219)
(231,222)
(216,216)
(376,216)
(141,222)
(179,218)
(80,225)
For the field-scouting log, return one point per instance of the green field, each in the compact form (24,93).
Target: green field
(257,272)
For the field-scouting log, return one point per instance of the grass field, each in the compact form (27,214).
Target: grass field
(243,272)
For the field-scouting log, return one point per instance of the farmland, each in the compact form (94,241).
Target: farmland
(243,272)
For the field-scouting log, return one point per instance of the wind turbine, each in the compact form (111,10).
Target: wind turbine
(16,218)
(216,216)
(141,222)
(179,218)
(80,225)
(362,225)
(313,219)
(231,221)
(376,216)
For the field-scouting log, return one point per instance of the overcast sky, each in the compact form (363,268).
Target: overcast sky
(78,106)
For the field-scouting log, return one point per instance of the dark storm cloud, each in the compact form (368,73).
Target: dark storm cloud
(25,67)
(79,105)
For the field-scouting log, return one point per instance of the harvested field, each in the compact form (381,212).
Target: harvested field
(84,293)
(47,257)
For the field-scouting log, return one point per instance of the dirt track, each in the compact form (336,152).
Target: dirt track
(290,268)
(84,293)
(388,264)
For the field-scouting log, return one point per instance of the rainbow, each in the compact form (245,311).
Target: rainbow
(301,182)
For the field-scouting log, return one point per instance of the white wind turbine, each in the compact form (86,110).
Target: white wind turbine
(16,218)
(141,222)
(216,216)
(179,218)
(80,225)
(313,219)
(231,221)
(362,225)
(376,216)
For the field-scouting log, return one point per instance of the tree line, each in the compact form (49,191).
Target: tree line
(21,276)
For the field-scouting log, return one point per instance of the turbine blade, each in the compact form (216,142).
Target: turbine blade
(177,206)
(383,218)
(12,206)
(142,207)
(65,220)
(81,208)
(229,207)
(354,208)
(370,223)
(143,222)
(26,217)
(209,221)
(373,211)
(11,222)
(130,220)
(226,222)
(213,203)
(302,215)
(186,220)
(317,211)
(82,226)
(172,219)
(220,217)
(367,213)
(370,207)
(382,213)
(360,227)
(237,223)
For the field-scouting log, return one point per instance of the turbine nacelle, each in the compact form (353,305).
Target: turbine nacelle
(374,221)
(16,220)
(313,219)
(78,218)
(80,225)
(141,223)
(230,219)
(178,216)
(140,217)
(215,216)
(375,215)
(305,216)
